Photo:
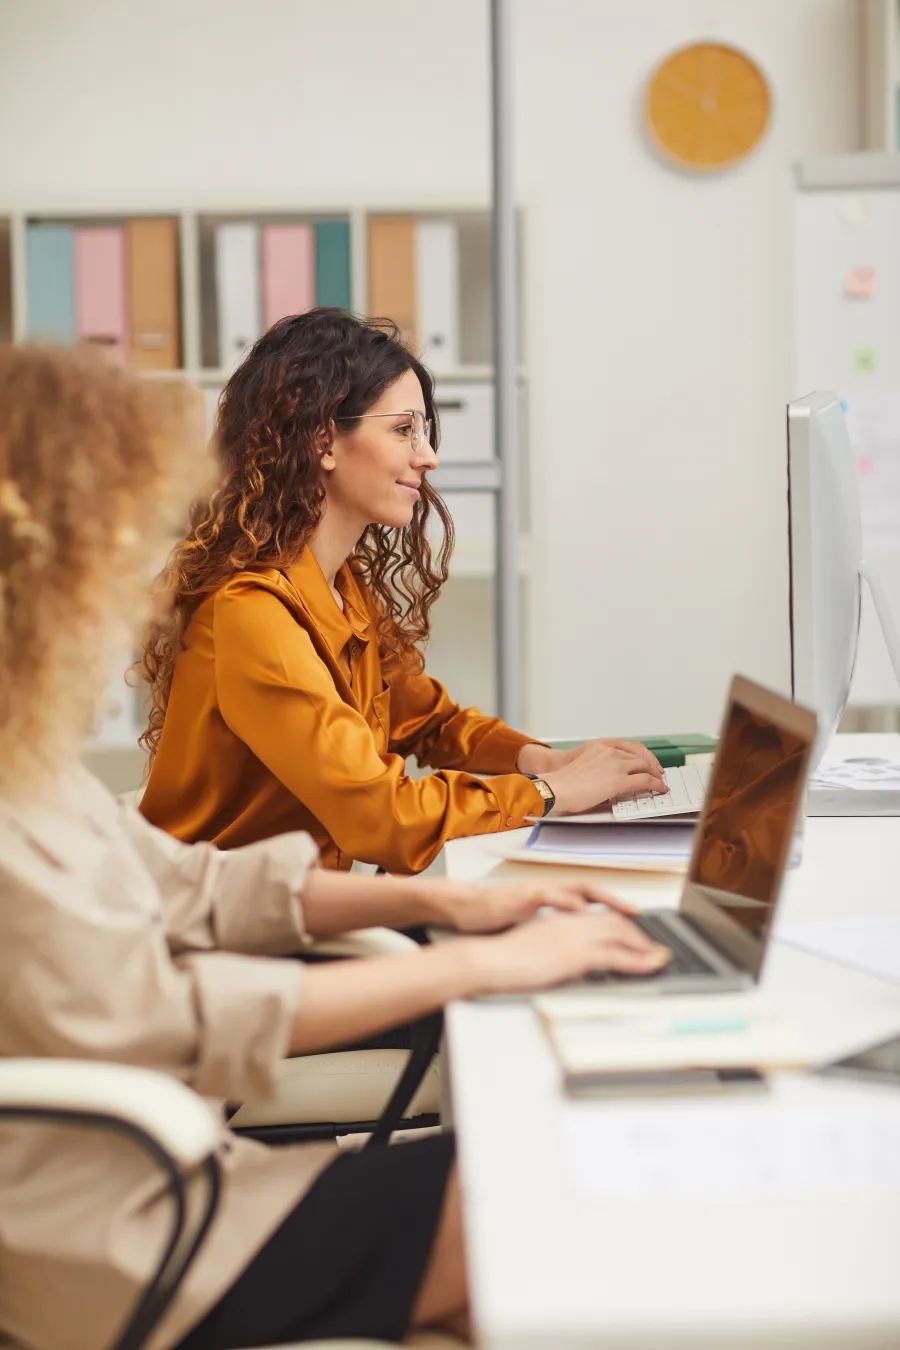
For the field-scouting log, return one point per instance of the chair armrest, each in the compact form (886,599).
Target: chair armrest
(172,1115)
(364,942)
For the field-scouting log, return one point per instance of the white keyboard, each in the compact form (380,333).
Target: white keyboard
(687,791)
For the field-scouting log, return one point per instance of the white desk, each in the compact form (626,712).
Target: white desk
(558,1268)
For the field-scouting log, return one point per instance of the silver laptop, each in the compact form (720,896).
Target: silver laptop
(720,932)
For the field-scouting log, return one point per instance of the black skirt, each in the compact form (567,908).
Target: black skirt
(347,1261)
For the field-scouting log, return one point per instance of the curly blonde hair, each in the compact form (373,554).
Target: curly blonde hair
(89,458)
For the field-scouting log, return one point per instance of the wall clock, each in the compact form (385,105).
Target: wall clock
(706,106)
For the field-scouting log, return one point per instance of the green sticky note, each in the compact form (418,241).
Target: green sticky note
(863,360)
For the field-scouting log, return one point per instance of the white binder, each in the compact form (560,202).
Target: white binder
(237,289)
(437,291)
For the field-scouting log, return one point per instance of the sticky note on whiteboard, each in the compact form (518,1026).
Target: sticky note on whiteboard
(863,360)
(861,283)
(854,209)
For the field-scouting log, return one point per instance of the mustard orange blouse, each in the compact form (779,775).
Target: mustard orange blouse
(284,715)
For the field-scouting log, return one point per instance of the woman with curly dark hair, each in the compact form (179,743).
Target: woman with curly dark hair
(289,689)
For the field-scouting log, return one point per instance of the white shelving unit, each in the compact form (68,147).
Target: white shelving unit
(467,621)
(879,45)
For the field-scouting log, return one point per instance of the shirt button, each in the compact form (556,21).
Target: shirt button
(510,820)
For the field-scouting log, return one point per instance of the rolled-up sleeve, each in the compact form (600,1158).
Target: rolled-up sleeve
(99,984)
(246,1008)
(245,900)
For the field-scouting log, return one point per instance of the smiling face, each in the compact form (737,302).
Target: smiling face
(372,474)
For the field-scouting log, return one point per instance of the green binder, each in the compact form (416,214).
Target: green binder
(671,751)
(333,263)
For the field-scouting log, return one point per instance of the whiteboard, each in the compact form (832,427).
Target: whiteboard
(846,340)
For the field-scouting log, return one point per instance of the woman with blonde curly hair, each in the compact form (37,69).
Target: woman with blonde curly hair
(120,944)
(290,688)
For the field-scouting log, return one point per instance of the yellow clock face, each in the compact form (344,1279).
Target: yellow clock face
(707,106)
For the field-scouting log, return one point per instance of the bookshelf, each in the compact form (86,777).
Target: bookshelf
(466,618)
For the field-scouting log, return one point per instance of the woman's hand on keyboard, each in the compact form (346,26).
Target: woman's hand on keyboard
(564,947)
(602,771)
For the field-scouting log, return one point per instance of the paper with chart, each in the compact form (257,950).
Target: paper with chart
(835,1143)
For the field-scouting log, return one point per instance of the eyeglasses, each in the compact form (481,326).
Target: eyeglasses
(420,427)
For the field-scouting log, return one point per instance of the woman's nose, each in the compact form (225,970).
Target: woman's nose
(425,457)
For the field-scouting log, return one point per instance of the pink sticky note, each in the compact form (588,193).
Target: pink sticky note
(861,283)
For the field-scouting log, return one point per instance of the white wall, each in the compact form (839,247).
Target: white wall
(657,304)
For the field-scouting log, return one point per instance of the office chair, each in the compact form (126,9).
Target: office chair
(180,1133)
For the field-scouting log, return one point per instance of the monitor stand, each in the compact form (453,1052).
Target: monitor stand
(861,785)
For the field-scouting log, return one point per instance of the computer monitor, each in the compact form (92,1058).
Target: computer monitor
(827,563)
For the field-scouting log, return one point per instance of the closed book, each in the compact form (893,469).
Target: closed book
(151,248)
(392,272)
(288,271)
(437,292)
(100,315)
(50,282)
(237,291)
(333,263)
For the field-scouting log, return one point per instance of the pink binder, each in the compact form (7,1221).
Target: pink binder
(288,271)
(100,313)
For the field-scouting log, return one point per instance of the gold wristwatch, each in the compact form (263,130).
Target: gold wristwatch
(545,790)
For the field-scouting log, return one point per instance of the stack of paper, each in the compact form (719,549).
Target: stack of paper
(855,785)
(654,847)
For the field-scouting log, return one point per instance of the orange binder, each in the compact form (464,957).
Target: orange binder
(153,293)
(392,272)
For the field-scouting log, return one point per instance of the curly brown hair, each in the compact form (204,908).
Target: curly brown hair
(310,374)
(87,498)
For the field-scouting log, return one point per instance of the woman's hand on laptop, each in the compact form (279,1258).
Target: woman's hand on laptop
(602,771)
(563,947)
(489,909)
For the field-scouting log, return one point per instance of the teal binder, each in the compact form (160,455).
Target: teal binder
(333,263)
(50,282)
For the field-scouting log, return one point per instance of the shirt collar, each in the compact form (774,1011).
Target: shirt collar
(308,580)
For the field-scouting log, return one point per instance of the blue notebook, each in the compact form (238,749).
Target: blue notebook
(50,282)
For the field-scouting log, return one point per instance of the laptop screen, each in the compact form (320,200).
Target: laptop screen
(745,834)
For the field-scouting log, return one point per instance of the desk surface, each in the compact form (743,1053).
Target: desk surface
(556,1266)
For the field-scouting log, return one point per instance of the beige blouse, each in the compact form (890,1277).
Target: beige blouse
(119,943)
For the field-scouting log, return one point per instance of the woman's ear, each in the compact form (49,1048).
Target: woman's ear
(325,448)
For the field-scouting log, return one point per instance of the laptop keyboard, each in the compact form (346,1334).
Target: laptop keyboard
(684,960)
(687,790)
